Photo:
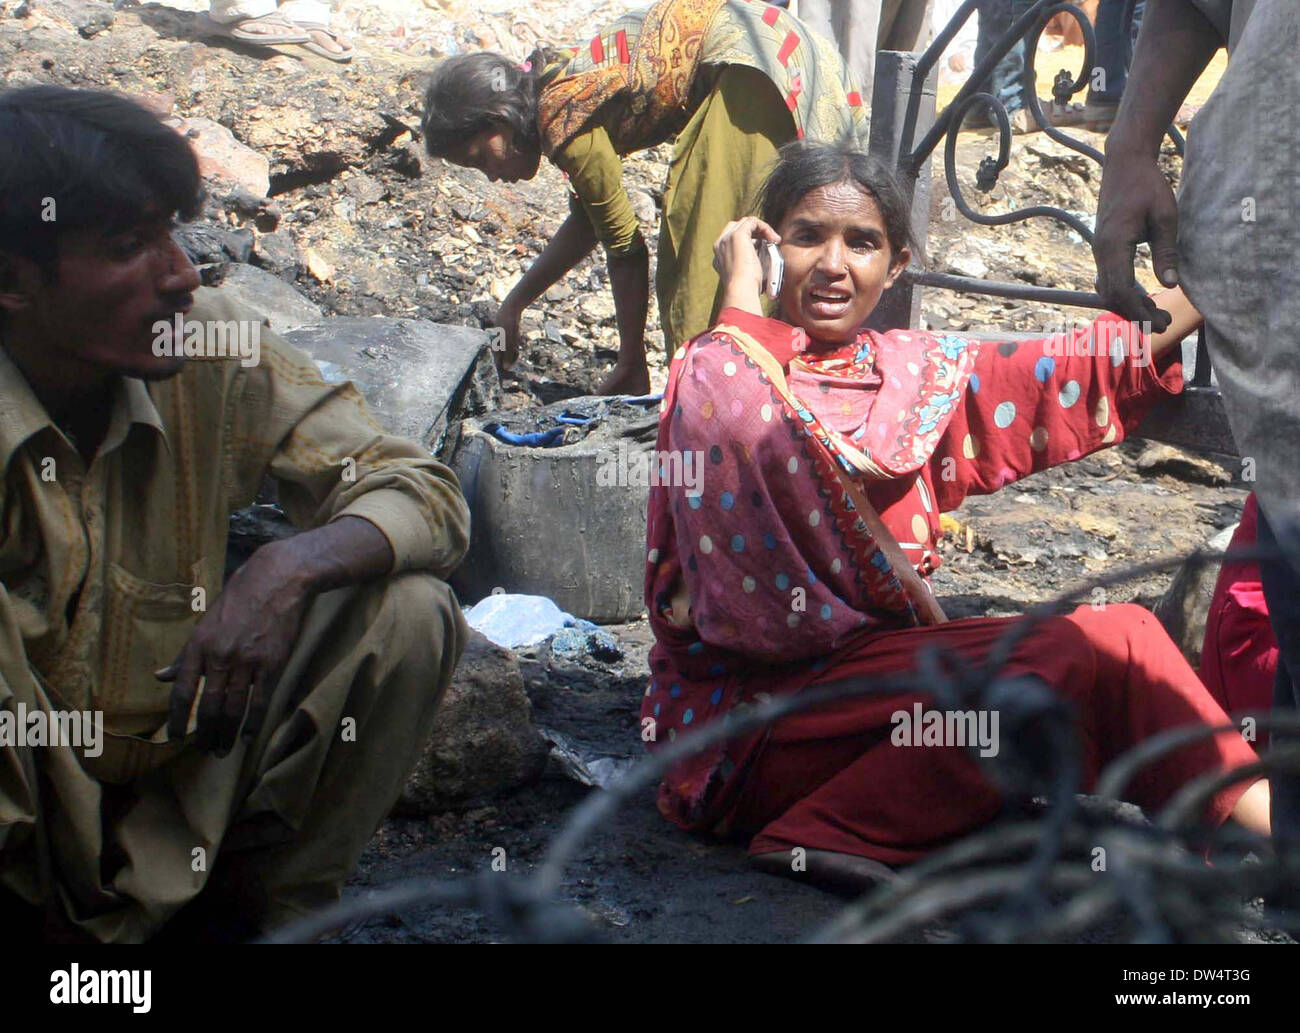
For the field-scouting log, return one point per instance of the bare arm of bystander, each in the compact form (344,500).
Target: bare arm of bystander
(1137,204)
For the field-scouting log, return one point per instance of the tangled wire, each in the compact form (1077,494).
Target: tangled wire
(1075,867)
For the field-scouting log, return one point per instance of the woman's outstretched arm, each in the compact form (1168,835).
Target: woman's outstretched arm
(1034,404)
(572,242)
(1184,319)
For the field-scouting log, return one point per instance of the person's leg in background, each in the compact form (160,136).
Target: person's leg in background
(1115,38)
(855,26)
(818,15)
(1007,80)
(226,12)
(995,18)
(295,22)
(904,25)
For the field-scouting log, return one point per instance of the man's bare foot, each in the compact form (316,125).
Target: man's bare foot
(327,43)
(847,874)
(278,29)
(626,380)
(267,30)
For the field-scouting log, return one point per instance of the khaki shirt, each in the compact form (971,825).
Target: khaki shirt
(99,564)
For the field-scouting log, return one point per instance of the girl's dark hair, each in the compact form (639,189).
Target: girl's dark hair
(469,93)
(805,165)
(86,159)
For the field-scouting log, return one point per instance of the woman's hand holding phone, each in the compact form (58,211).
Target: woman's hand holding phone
(736,258)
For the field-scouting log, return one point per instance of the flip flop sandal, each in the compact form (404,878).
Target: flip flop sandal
(1071,115)
(310,44)
(1099,115)
(288,31)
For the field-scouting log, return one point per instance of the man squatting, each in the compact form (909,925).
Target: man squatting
(226,798)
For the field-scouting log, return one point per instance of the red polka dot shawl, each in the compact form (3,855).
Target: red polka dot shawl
(759,572)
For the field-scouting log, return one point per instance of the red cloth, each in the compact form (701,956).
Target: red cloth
(761,579)
(1239,655)
(782,580)
(831,779)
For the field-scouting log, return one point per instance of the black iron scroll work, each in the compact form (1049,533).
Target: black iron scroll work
(903,110)
(1032,876)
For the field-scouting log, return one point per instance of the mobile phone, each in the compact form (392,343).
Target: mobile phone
(769,257)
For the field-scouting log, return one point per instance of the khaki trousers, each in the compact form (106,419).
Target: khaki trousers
(281,821)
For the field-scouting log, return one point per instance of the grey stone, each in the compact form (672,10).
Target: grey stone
(269,296)
(251,528)
(95,23)
(643,206)
(966,263)
(206,244)
(1161,458)
(416,375)
(1185,607)
(484,743)
(547,521)
(276,253)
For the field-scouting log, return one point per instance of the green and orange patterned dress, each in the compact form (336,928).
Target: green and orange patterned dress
(733,80)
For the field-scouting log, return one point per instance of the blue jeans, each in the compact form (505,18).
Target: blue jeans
(996,17)
(1114,47)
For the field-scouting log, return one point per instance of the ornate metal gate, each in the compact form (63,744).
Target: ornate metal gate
(905,131)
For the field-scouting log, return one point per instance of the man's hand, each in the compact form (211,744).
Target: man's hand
(1136,205)
(242,644)
(239,649)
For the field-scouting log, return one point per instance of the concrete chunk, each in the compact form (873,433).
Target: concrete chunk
(548,521)
(282,306)
(416,376)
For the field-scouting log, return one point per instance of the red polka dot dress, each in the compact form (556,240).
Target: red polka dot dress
(762,579)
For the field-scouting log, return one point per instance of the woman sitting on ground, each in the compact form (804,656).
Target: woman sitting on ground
(732,81)
(768,582)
